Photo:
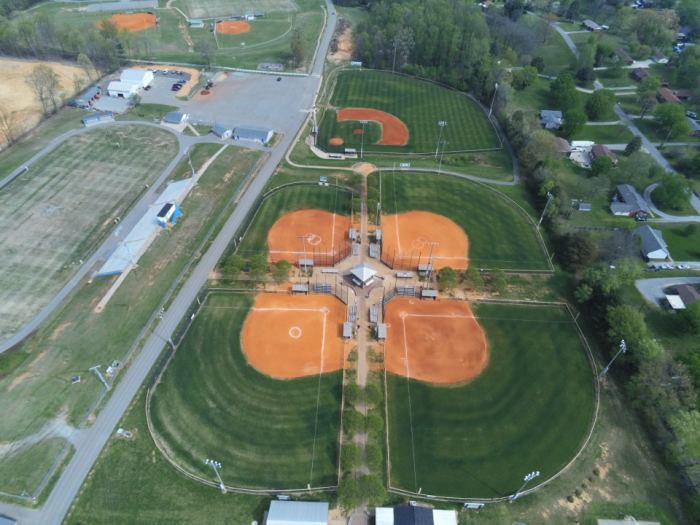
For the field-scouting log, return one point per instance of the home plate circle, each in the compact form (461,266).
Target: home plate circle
(403,315)
(313,239)
(295,332)
(325,310)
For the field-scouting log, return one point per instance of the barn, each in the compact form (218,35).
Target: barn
(140,77)
(118,89)
(262,135)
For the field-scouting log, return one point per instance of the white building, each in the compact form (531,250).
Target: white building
(221,131)
(253,134)
(297,513)
(414,515)
(176,118)
(121,89)
(140,77)
(653,244)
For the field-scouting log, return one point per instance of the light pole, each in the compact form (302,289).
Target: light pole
(303,242)
(528,479)
(444,143)
(131,256)
(549,198)
(299,255)
(376,218)
(493,99)
(216,465)
(362,146)
(573,201)
(393,67)
(623,349)
(430,270)
(442,124)
(160,316)
(187,150)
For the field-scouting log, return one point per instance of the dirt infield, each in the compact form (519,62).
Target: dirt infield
(133,23)
(358,132)
(394,132)
(336,142)
(412,231)
(434,342)
(324,231)
(290,336)
(232,27)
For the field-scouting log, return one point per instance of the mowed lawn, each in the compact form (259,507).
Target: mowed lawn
(418,104)
(683,247)
(58,211)
(267,433)
(499,235)
(261,31)
(285,201)
(227,8)
(530,409)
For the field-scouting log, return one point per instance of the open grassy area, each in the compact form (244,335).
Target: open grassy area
(261,31)
(530,408)
(683,247)
(420,105)
(603,134)
(226,8)
(147,112)
(59,211)
(650,129)
(506,240)
(286,201)
(32,462)
(609,80)
(267,432)
(37,390)
(686,210)
(557,55)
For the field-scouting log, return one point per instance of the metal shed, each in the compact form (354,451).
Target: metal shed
(262,135)
(297,513)
(381,332)
(221,131)
(98,118)
(176,118)
(347,331)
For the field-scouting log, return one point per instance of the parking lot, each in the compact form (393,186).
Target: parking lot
(161,89)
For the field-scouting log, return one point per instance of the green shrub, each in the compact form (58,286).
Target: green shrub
(373,395)
(353,422)
(354,394)
(350,458)
(373,457)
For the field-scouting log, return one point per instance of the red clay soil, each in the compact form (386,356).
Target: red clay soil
(336,142)
(358,132)
(394,132)
(410,232)
(290,336)
(437,342)
(232,27)
(133,23)
(323,231)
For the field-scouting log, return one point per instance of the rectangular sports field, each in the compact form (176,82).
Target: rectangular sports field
(221,8)
(529,409)
(419,104)
(499,235)
(286,201)
(58,211)
(267,433)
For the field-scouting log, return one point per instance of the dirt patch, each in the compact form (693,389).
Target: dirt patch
(358,132)
(58,331)
(31,372)
(232,27)
(394,132)
(191,83)
(324,231)
(434,342)
(364,167)
(289,336)
(336,141)
(134,22)
(343,45)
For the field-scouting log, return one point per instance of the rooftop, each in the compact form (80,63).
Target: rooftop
(363,272)
(668,96)
(630,196)
(652,240)
(297,512)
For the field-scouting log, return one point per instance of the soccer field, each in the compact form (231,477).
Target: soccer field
(499,235)
(531,408)
(419,104)
(267,433)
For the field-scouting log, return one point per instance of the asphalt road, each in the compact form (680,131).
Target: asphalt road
(653,289)
(665,217)
(90,444)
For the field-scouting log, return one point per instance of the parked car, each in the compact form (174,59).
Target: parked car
(640,219)
(683,267)
(691,114)
(175,88)
(166,71)
(147,88)
(279,79)
(666,267)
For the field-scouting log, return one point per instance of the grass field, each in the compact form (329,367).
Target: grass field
(683,247)
(529,409)
(651,131)
(603,135)
(507,240)
(420,105)
(59,211)
(267,433)
(35,387)
(261,31)
(219,8)
(286,201)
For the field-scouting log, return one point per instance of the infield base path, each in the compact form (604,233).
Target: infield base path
(289,336)
(394,132)
(324,231)
(232,27)
(134,22)
(434,342)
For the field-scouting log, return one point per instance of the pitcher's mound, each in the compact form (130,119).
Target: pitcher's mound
(336,142)
(232,27)
(133,23)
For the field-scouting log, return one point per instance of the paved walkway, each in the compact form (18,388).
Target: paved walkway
(653,289)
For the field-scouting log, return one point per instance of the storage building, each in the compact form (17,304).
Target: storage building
(197,24)
(414,515)
(221,131)
(176,118)
(653,244)
(119,89)
(297,513)
(262,135)
(98,118)
(590,25)
(140,77)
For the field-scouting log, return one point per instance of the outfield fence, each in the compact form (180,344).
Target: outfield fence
(186,64)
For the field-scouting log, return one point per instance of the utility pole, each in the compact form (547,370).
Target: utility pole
(393,67)
(493,99)
(444,143)
(623,349)
(96,369)
(430,257)
(362,146)
(131,256)
(160,316)
(528,478)
(442,124)
(216,466)
(303,242)
(549,199)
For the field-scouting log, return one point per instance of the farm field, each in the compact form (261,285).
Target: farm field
(420,105)
(268,433)
(530,408)
(58,212)
(507,240)
(36,393)
(286,201)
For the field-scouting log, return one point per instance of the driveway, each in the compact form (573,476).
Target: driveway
(672,218)
(653,289)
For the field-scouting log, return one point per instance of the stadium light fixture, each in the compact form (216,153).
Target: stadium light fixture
(444,143)
(622,350)
(162,320)
(303,242)
(362,146)
(393,67)
(442,124)
(216,465)
(493,99)
(549,198)
(528,478)
(430,257)
(131,256)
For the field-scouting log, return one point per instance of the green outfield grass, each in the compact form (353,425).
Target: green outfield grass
(420,105)
(286,201)
(261,31)
(267,433)
(530,409)
(499,235)
(214,8)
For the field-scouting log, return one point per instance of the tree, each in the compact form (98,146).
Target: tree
(354,394)
(108,29)
(583,293)
(10,126)
(585,74)
(573,11)
(647,102)
(280,276)
(46,84)
(515,9)
(134,100)
(349,494)
(574,120)
(353,422)
(373,491)
(673,191)
(599,103)
(651,83)
(524,77)
(691,229)
(672,120)
(500,285)
(373,457)
(283,265)
(233,265)
(78,85)
(299,46)
(662,387)
(602,164)
(538,64)
(85,63)
(350,458)
(634,145)
(448,278)
(626,323)
(373,395)
(375,424)
(576,250)
(205,50)
(563,92)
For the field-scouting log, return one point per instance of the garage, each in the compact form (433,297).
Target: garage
(140,77)
(121,89)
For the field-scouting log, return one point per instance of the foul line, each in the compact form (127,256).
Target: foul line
(410,409)
(489,318)
(290,310)
(318,399)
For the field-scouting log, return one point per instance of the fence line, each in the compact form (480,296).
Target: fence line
(185,64)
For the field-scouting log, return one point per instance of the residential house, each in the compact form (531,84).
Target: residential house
(622,55)
(660,58)
(628,202)
(683,94)
(689,294)
(600,150)
(653,244)
(640,74)
(666,95)
(551,119)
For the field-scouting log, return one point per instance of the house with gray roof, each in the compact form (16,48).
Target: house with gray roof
(263,135)
(176,118)
(628,202)
(551,119)
(297,513)
(221,131)
(653,244)
(590,25)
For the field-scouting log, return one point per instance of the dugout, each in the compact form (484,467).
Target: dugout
(347,331)
(381,332)
(300,289)
(424,269)
(428,295)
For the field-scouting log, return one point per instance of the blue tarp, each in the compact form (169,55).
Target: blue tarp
(176,214)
